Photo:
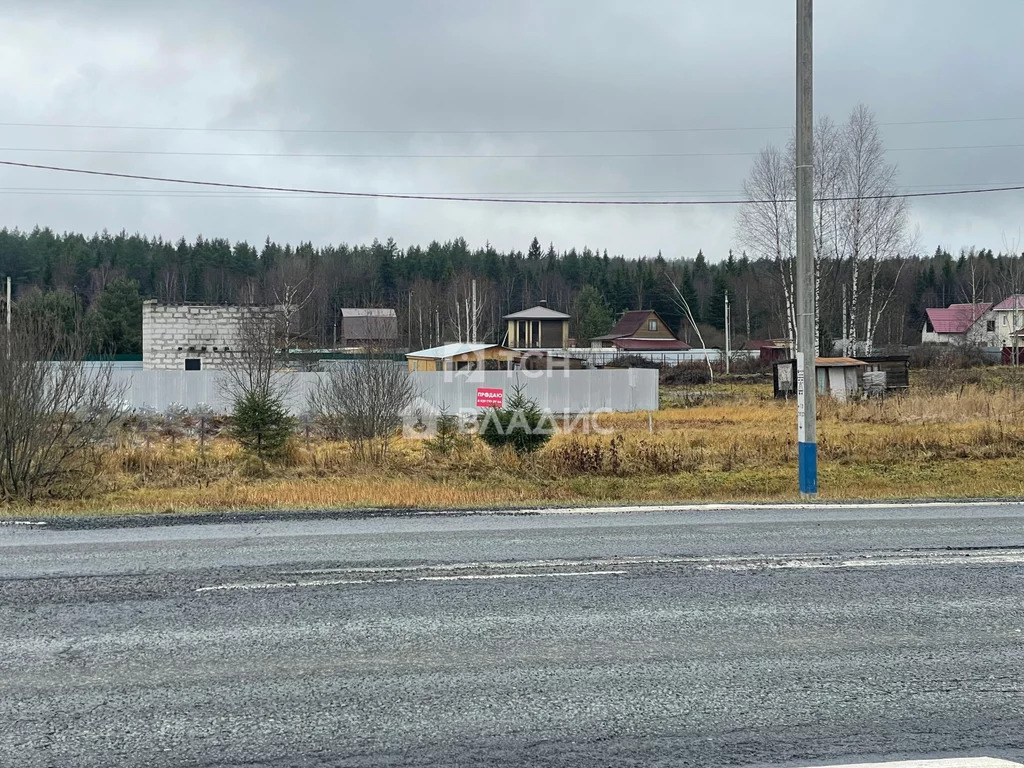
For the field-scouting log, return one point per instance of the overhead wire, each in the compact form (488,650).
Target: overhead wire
(447,156)
(483,199)
(471,131)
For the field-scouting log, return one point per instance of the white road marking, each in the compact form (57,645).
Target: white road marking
(621,566)
(479,576)
(725,506)
(870,561)
(737,562)
(504,565)
(956,762)
(459,577)
(656,508)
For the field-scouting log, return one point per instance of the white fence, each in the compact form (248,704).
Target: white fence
(568,391)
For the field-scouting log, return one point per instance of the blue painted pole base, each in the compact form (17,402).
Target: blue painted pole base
(808,459)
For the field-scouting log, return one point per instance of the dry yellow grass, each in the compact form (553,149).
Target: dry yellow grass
(741,446)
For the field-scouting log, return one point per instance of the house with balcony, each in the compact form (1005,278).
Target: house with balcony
(538,327)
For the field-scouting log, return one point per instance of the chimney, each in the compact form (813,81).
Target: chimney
(543,302)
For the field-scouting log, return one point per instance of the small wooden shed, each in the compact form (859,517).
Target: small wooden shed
(834,376)
(894,370)
(464,357)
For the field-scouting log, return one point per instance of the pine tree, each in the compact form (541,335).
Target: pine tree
(534,253)
(593,317)
(116,319)
(520,425)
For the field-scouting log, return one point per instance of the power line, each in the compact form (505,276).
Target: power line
(367,156)
(471,199)
(356,156)
(466,132)
(903,189)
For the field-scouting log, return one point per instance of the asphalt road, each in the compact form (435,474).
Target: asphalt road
(668,638)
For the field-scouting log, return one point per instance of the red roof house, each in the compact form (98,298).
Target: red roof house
(641,330)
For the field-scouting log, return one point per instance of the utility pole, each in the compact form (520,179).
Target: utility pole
(474,311)
(8,306)
(807,433)
(846,327)
(726,333)
(408,321)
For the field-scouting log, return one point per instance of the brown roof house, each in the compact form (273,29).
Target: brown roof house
(640,330)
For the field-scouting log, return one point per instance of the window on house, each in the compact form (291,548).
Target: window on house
(1004,319)
(193,364)
(652,325)
(990,325)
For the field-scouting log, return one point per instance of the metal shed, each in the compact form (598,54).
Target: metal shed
(834,376)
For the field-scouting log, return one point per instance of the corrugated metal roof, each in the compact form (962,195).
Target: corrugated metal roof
(652,345)
(454,350)
(956,318)
(630,323)
(367,312)
(836,362)
(537,313)
(1010,301)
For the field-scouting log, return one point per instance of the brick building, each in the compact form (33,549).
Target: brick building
(193,337)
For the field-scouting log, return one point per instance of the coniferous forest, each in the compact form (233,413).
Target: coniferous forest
(103,278)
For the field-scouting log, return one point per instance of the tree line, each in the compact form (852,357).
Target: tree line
(102,280)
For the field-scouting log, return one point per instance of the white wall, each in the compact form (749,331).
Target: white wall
(173,332)
(578,391)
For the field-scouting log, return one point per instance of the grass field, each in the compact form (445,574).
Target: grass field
(950,438)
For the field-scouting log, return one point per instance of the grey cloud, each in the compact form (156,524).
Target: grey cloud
(466,65)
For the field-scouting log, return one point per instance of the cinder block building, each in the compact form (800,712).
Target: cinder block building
(193,337)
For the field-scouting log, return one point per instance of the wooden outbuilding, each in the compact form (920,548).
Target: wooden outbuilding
(464,357)
(834,376)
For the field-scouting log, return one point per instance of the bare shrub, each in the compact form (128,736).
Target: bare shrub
(684,374)
(948,357)
(55,412)
(631,361)
(362,401)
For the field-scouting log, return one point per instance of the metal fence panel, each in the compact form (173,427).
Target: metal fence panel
(570,391)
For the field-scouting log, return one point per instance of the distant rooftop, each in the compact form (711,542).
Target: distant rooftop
(367,312)
(539,312)
(453,350)
(1010,302)
(836,362)
(956,318)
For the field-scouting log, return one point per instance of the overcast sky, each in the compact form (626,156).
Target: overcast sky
(419,77)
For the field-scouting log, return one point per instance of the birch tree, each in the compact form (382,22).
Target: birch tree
(874,225)
(767,223)
(860,225)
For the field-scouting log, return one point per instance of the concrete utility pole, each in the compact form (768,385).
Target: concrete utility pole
(8,305)
(474,311)
(807,433)
(726,333)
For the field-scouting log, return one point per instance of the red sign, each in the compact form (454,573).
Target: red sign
(489,398)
